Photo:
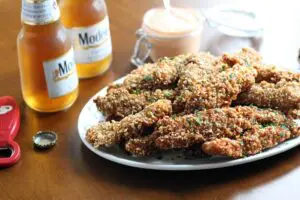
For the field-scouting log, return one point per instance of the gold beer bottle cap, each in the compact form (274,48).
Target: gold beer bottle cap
(45,139)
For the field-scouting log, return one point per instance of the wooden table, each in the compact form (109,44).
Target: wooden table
(71,171)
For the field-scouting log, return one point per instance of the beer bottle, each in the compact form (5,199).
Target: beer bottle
(46,58)
(88,26)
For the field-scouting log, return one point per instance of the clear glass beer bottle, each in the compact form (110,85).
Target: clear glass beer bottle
(46,58)
(88,25)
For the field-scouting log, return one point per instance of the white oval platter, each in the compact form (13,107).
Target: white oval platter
(172,161)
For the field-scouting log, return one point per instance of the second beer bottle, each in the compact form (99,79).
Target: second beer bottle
(88,26)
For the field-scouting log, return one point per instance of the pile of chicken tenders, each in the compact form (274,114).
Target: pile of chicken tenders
(232,105)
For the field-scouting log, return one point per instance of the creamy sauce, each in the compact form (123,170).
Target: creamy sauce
(174,22)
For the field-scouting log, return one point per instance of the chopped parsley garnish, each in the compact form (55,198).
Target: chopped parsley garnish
(231,76)
(198,120)
(137,91)
(150,113)
(284,127)
(223,67)
(151,99)
(148,78)
(247,62)
(268,124)
(189,121)
(168,93)
(282,134)
(180,97)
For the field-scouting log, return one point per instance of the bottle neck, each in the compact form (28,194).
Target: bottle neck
(44,28)
(39,12)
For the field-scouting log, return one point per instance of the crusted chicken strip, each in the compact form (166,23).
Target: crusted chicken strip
(142,146)
(233,123)
(119,102)
(283,95)
(122,100)
(217,123)
(109,133)
(249,144)
(221,89)
(211,82)
(247,56)
(271,74)
(199,69)
(151,76)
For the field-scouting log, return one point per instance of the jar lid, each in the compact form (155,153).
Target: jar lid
(234,20)
(45,139)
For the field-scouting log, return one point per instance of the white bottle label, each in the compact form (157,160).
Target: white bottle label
(92,43)
(61,75)
(38,12)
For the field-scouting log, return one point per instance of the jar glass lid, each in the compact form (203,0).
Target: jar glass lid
(234,20)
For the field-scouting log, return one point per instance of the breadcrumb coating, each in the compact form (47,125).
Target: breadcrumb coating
(109,133)
(282,95)
(187,100)
(247,57)
(221,89)
(233,123)
(271,74)
(151,76)
(119,102)
(249,144)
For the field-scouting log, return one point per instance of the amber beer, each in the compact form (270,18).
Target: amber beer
(46,58)
(88,26)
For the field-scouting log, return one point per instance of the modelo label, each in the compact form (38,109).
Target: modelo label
(38,12)
(92,43)
(61,75)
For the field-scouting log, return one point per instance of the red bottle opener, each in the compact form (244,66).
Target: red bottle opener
(9,128)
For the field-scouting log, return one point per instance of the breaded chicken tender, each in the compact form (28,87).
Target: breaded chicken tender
(232,105)
(110,133)
(249,144)
(247,57)
(232,123)
(271,74)
(119,102)
(283,95)
(151,76)
(221,89)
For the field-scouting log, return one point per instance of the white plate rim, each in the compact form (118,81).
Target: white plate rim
(285,146)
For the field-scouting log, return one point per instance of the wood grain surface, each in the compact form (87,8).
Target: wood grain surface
(71,171)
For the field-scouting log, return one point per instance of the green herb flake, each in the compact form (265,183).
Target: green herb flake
(231,76)
(223,67)
(180,98)
(282,135)
(151,99)
(268,124)
(150,113)
(167,93)
(247,62)
(137,91)
(198,121)
(148,78)
(189,121)
(284,127)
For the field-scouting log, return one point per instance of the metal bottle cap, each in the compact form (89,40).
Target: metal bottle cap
(44,139)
